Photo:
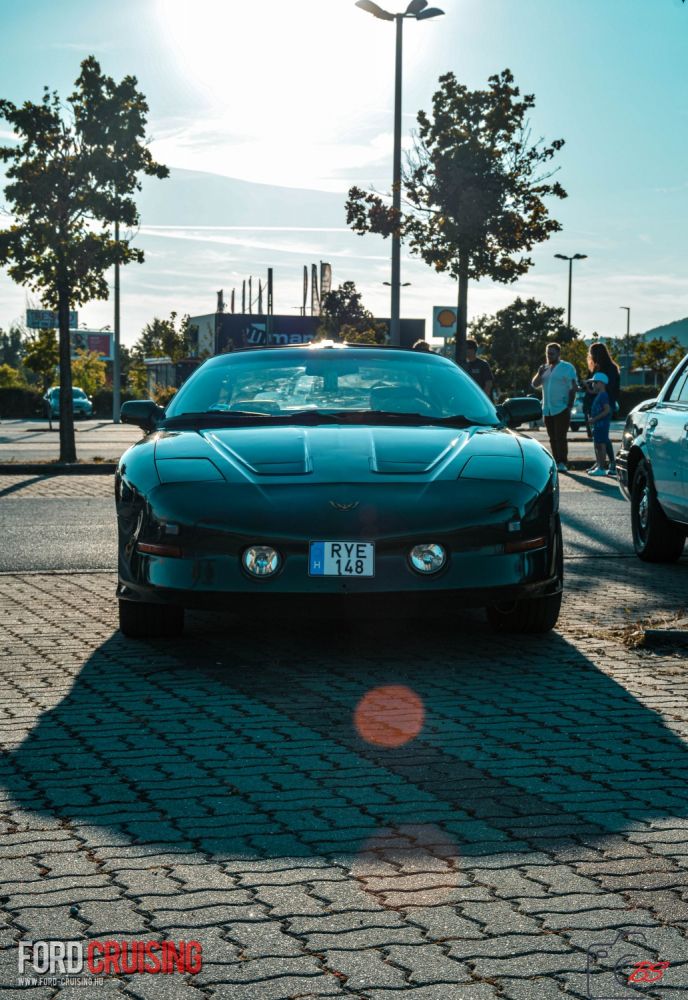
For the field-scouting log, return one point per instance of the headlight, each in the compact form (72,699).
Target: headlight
(428,557)
(261,560)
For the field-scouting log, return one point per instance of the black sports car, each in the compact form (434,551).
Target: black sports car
(329,472)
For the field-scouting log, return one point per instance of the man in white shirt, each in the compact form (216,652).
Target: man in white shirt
(559,382)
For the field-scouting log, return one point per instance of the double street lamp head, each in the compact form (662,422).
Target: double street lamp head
(576,256)
(417,9)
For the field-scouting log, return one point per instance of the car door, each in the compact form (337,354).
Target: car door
(667,444)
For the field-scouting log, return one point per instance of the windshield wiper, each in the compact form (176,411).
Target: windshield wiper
(313,417)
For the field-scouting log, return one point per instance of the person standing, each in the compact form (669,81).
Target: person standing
(600,360)
(600,419)
(559,382)
(478,369)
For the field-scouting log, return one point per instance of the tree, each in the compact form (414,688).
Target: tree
(474,188)
(42,356)
(72,175)
(514,340)
(11,347)
(162,338)
(88,371)
(576,352)
(344,316)
(660,356)
(10,378)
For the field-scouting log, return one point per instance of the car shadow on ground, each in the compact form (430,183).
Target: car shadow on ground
(305,738)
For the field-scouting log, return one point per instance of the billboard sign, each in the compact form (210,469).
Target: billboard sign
(44,319)
(238,331)
(98,341)
(444,321)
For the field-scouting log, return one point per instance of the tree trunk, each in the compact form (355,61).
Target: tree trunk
(462,309)
(67,442)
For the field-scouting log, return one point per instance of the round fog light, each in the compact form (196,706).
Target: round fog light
(428,558)
(261,560)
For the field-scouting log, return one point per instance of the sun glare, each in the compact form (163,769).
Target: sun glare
(300,90)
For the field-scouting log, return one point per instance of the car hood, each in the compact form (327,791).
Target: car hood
(341,453)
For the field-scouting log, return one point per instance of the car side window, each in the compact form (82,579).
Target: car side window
(679,390)
(683,389)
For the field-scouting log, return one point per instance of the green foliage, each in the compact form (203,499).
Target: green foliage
(164,338)
(72,175)
(10,378)
(344,316)
(474,187)
(42,355)
(660,356)
(513,340)
(576,352)
(375,334)
(11,347)
(632,396)
(88,371)
(163,394)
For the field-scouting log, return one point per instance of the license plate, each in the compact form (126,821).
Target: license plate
(341,559)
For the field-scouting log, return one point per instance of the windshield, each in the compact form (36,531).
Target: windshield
(76,393)
(336,382)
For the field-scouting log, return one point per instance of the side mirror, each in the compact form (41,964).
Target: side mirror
(521,410)
(143,413)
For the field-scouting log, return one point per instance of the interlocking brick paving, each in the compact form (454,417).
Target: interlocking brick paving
(216,788)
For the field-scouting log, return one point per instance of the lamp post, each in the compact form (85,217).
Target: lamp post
(116,373)
(627,362)
(419,10)
(576,256)
(628,325)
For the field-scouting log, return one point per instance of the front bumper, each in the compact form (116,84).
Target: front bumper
(470,521)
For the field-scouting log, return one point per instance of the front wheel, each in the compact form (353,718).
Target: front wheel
(655,537)
(138,620)
(530,614)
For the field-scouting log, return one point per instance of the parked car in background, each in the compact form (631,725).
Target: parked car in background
(652,467)
(81,403)
(578,411)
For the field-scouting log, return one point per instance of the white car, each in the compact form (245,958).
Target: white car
(652,467)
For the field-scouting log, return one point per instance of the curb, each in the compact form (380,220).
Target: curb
(58,468)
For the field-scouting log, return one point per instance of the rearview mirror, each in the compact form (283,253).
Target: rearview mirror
(143,413)
(521,410)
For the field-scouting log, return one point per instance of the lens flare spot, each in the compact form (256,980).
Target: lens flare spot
(389,716)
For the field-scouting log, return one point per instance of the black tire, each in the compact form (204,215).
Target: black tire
(531,614)
(138,620)
(655,537)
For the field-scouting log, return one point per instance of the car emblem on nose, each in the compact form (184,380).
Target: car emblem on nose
(343,506)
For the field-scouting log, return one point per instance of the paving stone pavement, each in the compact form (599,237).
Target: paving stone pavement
(517,803)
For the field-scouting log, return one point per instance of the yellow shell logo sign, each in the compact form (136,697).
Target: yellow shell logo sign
(446,318)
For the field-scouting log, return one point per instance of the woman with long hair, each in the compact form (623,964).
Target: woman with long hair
(600,360)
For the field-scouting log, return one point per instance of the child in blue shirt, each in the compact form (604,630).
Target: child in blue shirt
(600,421)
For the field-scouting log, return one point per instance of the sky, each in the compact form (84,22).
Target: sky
(298,96)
